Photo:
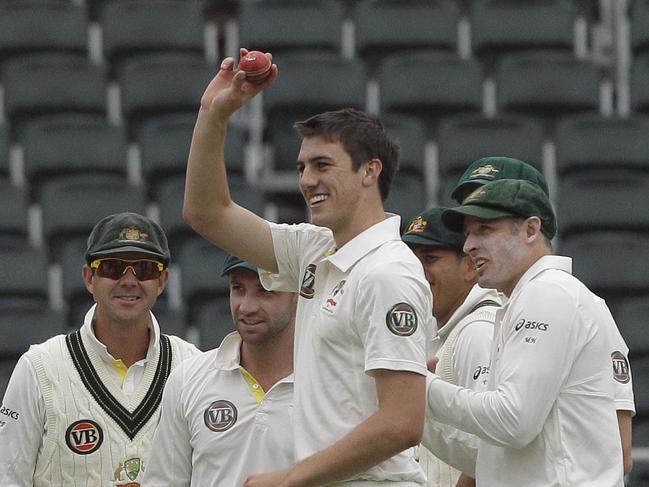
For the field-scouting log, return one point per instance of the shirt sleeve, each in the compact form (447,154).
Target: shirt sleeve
(393,317)
(22,426)
(472,354)
(514,413)
(170,459)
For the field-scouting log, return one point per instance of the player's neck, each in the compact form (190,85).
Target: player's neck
(127,343)
(268,362)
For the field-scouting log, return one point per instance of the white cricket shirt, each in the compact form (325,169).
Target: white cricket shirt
(364,307)
(548,418)
(213,432)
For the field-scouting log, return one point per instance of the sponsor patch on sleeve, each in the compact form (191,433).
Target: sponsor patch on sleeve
(402,319)
(620,367)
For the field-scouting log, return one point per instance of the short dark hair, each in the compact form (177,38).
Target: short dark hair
(363,137)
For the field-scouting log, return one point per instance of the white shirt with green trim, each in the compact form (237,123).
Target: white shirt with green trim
(213,431)
(364,307)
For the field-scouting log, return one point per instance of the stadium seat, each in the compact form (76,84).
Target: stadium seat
(164,146)
(463,139)
(407,196)
(13,216)
(30,26)
(43,84)
(638,86)
(213,320)
(171,321)
(502,26)
(429,86)
(290,26)
(6,368)
(547,84)
(640,437)
(76,297)
(150,26)
(610,263)
(411,135)
(60,146)
(71,208)
(4,151)
(609,200)
(593,142)
(35,326)
(161,84)
(632,320)
(23,279)
(306,87)
(639,20)
(384,27)
(639,476)
(640,369)
(201,263)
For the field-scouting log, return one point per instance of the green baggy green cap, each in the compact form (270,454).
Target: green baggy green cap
(127,233)
(490,169)
(233,262)
(505,197)
(427,229)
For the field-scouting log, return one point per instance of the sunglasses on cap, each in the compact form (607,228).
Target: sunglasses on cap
(113,268)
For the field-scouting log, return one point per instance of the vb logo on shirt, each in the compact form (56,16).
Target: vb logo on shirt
(402,319)
(220,416)
(84,436)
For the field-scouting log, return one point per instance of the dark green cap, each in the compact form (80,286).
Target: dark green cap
(232,262)
(505,197)
(427,229)
(127,232)
(489,169)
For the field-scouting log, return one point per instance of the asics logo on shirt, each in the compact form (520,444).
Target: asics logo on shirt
(531,325)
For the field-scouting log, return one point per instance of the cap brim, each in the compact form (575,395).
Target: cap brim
(419,240)
(473,183)
(238,265)
(453,218)
(128,249)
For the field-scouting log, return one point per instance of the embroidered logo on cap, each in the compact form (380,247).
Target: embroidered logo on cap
(417,225)
(484,171)
(133,234)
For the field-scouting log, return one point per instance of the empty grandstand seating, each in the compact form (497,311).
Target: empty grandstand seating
(42,84)
(147,26)
(639,19)
(14,232)
(65,146)
(631,317)
(429,86)
(23,279)
(159,84)
(30,26)
(281,26)
(463,139)
(4,151)
(384,27)
(639,88)
(213,320)
(502,26)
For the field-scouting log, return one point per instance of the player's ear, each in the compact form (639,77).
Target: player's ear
(533,228)
(86,274)
(371,171)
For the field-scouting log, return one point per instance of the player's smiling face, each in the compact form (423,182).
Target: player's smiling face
(126,299)
(497,248)
(259,315)
(329,186)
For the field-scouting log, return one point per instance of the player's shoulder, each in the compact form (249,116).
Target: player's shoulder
(195,365)
(47,347)
(185,348)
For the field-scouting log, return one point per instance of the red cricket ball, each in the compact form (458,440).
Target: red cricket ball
(256,65)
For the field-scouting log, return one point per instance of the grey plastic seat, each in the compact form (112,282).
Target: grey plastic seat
(631,316)
(148,26)
(407,197)
(463,139)
(281,26)
(72,207)
(546,83)
(214,321)
(639,19)
(44,84)
(411,134)
(639,89)
(430,86)
(35,326)
(29,26)
(63,146)
(4,150)
(13,216)
(23,279)
(159,84)
(384,27)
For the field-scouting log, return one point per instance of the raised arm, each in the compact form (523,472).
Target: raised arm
(208,208)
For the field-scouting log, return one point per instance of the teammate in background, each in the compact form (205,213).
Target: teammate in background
(465,315)
(549,389)
(489,169)
(87,404)
(226,413)
(364,314)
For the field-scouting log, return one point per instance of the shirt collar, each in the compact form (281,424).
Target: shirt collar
(90,339)
(228,355)
(545,263)
(476,295)
(366,241)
